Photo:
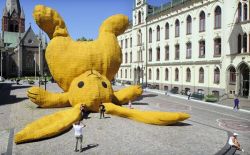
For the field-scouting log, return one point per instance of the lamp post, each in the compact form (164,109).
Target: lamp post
(45,80)
(35,65)
(1,64)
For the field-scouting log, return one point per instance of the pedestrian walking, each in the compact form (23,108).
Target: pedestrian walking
(102,110)
(234,144)
(236,103)
(78,126)
(83,111)
(189,94)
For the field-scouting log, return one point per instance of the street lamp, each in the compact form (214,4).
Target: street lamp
(45,80)
(35,65)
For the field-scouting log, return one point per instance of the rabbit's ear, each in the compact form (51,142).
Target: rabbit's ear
(116,24)
(50,21)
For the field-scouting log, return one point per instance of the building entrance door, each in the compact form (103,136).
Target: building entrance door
(244,80)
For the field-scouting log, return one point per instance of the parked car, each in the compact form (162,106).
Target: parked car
(2,79)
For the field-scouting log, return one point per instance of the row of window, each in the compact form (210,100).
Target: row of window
(242,9)
(202,25)
(217,50)
(242,47)
(232,75)
(188,75)
(126,43)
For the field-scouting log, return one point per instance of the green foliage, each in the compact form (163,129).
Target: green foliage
(84,39)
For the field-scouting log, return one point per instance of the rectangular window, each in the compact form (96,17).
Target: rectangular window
(202,25)
(130,42)
(217,47)
(177,52)
(167,53)
(189,51)
(126,43)
(202,49)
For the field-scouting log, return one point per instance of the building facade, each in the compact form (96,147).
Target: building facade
(197,45)
(22,52)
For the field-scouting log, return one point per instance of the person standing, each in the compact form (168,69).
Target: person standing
(236,103)
(234,144)
(78,134)
(101,110)
(130,104)
(189,94)
(83,111)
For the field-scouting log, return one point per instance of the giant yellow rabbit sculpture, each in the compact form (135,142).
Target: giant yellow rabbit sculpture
(84,71)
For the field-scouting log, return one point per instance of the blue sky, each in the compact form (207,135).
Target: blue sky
(82,17)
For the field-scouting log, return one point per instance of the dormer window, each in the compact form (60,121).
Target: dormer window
(30,41)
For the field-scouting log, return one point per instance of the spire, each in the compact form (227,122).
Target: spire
(22,14)
(12,5)
(5,12)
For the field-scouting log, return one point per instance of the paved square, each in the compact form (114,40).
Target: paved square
(205,133)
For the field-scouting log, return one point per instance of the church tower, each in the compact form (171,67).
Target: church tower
(13,19)
(139,12)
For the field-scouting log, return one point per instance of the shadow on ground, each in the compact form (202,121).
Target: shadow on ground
(180,124)
(145,96)
(89,146)
(6,98)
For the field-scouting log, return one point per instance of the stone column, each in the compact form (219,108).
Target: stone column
(237,87)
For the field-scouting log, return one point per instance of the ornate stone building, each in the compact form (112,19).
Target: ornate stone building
(22,52)
(197,45)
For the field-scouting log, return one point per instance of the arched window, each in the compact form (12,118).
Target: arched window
(177,28)
(150,54)
(232,75)
(150,35)
(176,74)
(166,52)
(158,54)
(158,33)
(130,57)
(189,25)
(245,43)
(177,52)
(239,43)
(126,57)
(217,18)
(150,74)
(216,75)
(139,17)
(167,31)
(217,47)
(189,50)
(245,12)
(157,74)
(188,75)
(202,21)
(202,49)
(239,12)
(166,74)
(125,73)
(201,75)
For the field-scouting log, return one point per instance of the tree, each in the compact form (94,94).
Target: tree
(84,39)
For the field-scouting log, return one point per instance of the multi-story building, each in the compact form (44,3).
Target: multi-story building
(197,45)
(21,52)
